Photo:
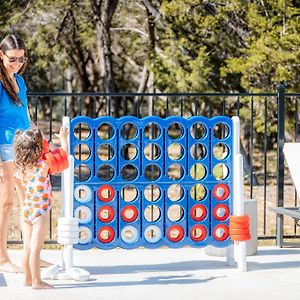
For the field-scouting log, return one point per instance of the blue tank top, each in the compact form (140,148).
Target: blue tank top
(13,116)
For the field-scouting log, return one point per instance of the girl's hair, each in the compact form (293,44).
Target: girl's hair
(28,146)
(11,42)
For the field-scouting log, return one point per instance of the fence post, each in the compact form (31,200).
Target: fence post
(280,162)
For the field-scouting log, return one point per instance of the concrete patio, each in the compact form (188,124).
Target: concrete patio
(186,273)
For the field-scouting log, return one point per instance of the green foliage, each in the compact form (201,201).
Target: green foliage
(197,38)
(200,46)
(273,47)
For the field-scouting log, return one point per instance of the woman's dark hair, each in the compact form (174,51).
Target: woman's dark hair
(11,42)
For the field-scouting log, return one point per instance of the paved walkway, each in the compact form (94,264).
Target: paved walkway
(173,274)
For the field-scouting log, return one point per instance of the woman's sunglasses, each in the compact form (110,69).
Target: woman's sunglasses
(13,59)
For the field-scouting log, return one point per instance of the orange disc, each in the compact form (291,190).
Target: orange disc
(239,219)
(240,238)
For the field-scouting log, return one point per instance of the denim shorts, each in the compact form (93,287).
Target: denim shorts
(7,152)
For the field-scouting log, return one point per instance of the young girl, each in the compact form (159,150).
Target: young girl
(33,171)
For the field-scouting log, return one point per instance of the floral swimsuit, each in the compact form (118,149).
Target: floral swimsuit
(37,190)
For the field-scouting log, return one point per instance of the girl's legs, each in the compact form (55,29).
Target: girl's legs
(20,193)
(39,231)
(6,202)
(27,231)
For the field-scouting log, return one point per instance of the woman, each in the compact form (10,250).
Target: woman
(13,115)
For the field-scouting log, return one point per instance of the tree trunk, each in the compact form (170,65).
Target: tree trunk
(103,11)
(145,72)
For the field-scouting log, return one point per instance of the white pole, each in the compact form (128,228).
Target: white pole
(67,197)
(238,193)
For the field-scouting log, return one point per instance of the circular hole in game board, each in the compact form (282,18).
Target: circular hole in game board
(82,152)
(221,232)
(221,212)
(152,151)
(129,193)
(198,212)
(198,233)
(82,193)
(198,151)
(106,214)
(128,131)
(152,131)
(198,171)
(106,193)
(82,173)
(106,234)
(221,131)
(152,192)
(105,152)
(220,171)
(82,131)
(129,172)
(83,213)
(175,151)
(152,172)
(175,192)
(175,131)
(175,213)
(105,131)
(105,172)
(152,213)
(198,131)
(129,234)
(152,234)
(175,233)
(129,213)
(198,192)
(129,151)
(175,171)
(85,235)
(220,151)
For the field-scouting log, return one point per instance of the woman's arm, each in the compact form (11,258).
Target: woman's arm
(32,125)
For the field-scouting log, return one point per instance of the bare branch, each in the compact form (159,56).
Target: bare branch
(130,29)
(156,13)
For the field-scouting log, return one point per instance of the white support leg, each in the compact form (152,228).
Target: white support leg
(67,198)
(67,191)
(68,233)
(240,247)
(240,253)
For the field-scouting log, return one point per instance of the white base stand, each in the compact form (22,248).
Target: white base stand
(56,273)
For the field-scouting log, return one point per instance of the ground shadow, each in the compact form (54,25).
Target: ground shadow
(165,267)
(2,280)
(255,266)
(155,280)
(279,251)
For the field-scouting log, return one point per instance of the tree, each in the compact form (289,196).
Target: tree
(198,37)
(273,47)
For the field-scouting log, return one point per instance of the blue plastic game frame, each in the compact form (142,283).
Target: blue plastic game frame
(117,162)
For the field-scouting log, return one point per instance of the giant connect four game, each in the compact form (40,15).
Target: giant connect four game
(152,182)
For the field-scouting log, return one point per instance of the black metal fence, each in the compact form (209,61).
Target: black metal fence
(267,120)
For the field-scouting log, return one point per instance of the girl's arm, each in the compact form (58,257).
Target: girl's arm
(46,169)
(63,137)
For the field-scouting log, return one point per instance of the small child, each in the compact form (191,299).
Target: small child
(33,171)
